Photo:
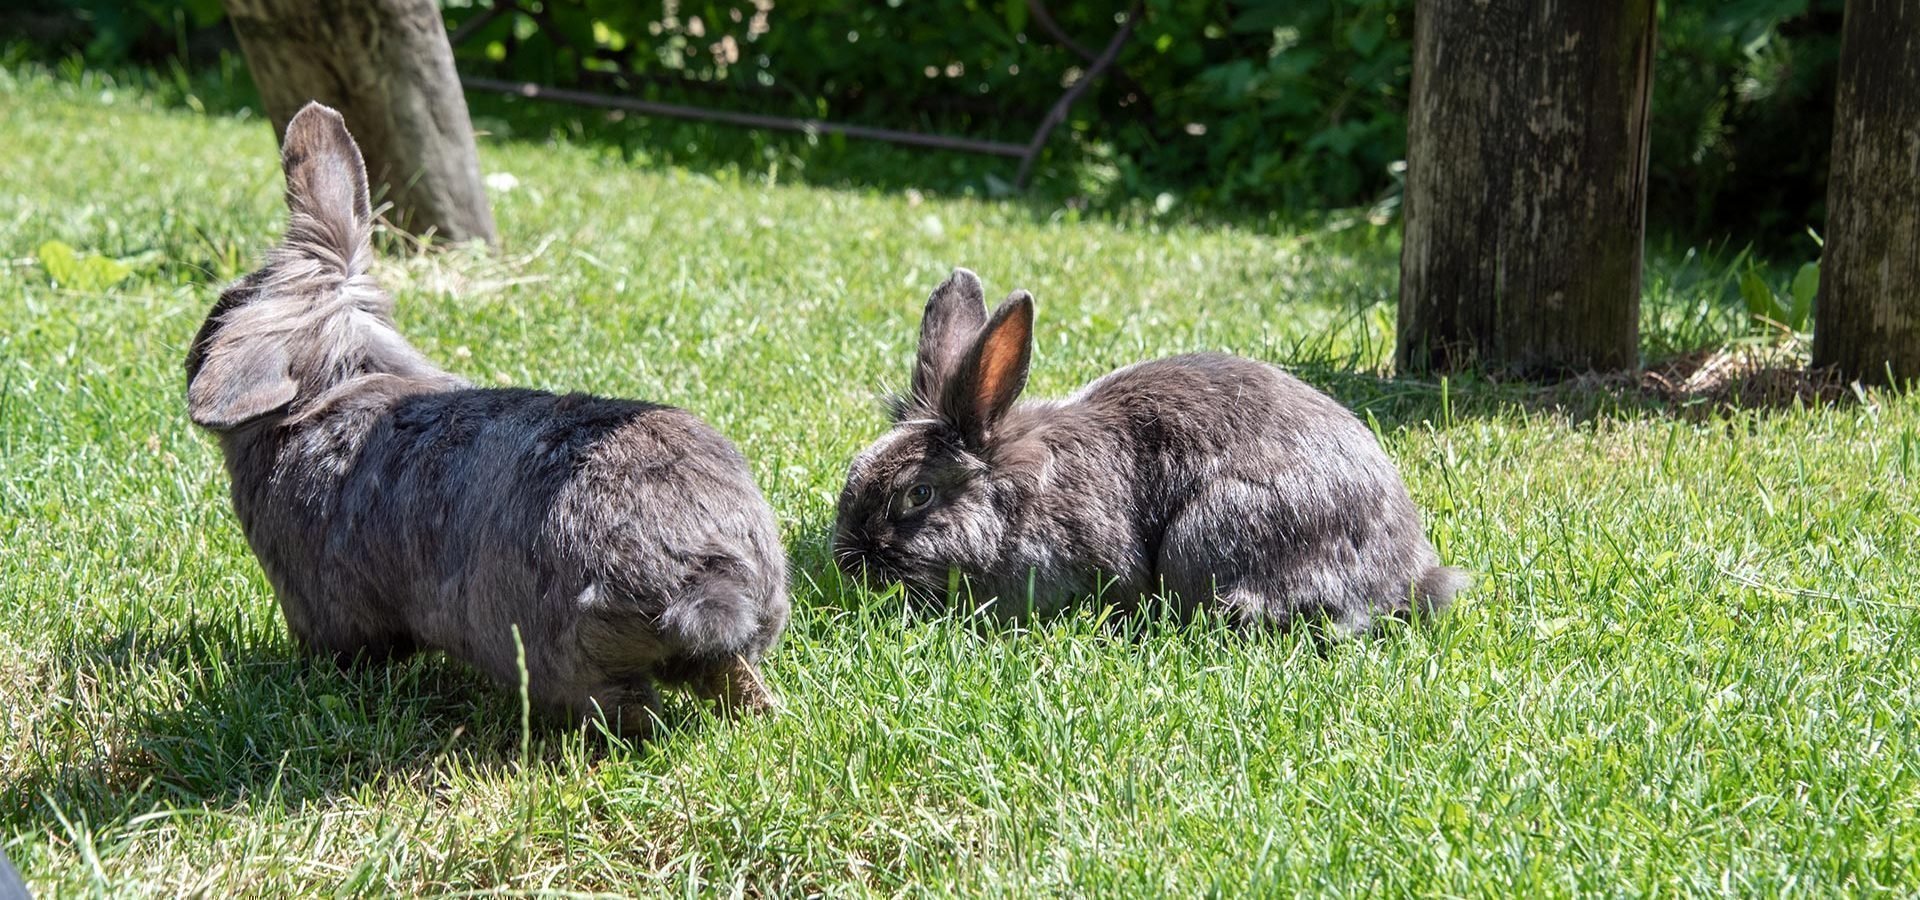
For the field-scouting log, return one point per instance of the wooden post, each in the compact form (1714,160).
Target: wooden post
(387,67)
(1867,317)
(1526,185)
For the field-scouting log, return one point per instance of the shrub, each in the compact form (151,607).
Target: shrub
(1289,104)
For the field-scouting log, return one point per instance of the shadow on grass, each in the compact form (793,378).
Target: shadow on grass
(206,717)
(1696,386)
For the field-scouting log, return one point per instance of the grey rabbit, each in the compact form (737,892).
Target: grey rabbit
(1212,480)
(395,507)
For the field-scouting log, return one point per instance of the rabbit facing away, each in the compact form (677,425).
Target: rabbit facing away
(1214,481)
(617,544)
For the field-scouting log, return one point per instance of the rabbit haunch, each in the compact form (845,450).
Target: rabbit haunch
(394,507)
(1206,478)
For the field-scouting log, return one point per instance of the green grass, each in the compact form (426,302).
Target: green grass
(1689,665)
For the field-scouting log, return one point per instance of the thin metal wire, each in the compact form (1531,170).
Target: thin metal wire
(1027,153)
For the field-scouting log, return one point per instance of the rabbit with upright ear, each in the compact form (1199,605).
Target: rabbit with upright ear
(1212,480)
(616,544)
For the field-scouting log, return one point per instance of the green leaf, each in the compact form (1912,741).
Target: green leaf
(1806,285)
(1263,17)
(58,259)
(1016,16)
(67,269)
(1365,34)
(1761,303)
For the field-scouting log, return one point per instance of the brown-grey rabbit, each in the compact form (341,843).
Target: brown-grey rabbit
(1207,478)
(395,507)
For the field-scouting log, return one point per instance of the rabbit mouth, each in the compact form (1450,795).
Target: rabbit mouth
(859,563)
(873,570)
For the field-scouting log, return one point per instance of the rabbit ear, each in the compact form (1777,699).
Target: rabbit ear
(326,188)
(993,370)
(955,312)
(236,386)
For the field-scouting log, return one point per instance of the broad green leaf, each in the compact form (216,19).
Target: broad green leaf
(1761,303)
(1806,285)
(1365,34)
(1016,16)
(67,269)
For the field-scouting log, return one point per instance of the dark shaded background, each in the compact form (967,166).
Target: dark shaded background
(1247,106)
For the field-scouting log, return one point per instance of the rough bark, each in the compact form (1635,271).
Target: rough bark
(1526,185)
(387,67)
(1867,317)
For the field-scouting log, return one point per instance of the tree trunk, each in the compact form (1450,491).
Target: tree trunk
(386,66)
(1867,318)
(1526,185)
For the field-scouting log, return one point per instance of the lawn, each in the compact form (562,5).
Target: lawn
(1689,664)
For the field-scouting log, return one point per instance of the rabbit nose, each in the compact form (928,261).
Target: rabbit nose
(850,549)
(853,536)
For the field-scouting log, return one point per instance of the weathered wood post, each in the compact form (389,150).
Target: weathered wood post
(1867,317)
(1526,185)
(387,67)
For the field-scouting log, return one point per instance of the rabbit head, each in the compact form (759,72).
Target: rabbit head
(942,490)
(311,319)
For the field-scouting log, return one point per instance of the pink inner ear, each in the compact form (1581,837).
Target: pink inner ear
(999,367)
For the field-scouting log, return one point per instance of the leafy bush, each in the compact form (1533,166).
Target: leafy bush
(1743,116)
(112,31)
(1260,101)
(1288,104)
(1275,102)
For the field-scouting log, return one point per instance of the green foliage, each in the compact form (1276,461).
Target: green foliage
(1256,102)
(109,31)
(1269,104)
(1790,309)
(1743,117)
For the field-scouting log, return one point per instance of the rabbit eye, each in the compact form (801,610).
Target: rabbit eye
(917,496)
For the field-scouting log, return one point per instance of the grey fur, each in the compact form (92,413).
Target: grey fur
(394,507)
(1205,478)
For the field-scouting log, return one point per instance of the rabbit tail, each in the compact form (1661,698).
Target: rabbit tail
(1436,588)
